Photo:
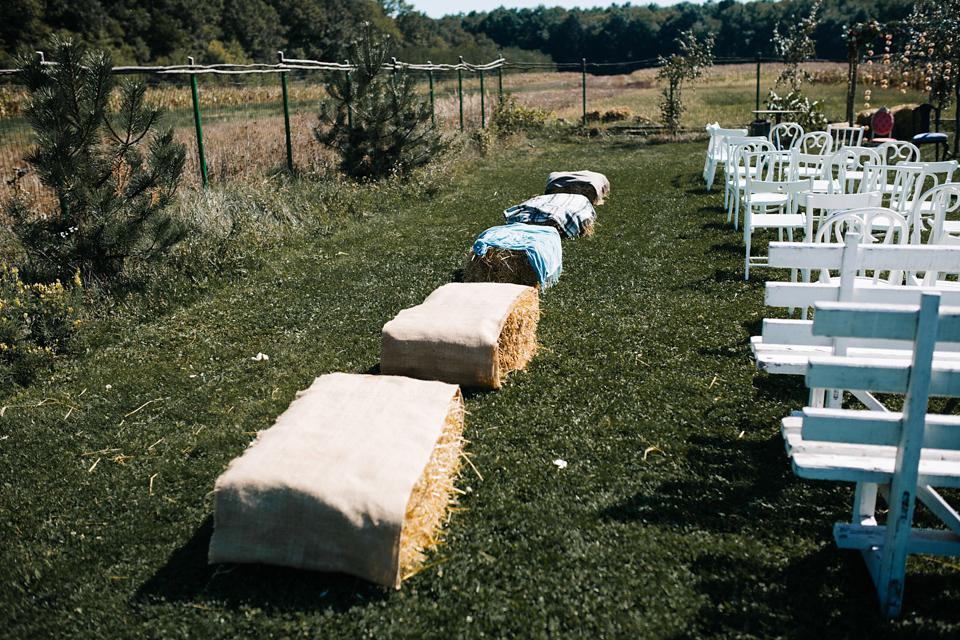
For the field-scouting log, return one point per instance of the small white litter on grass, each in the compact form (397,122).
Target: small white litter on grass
(561,464)
(260,356)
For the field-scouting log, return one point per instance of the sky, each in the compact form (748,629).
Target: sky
(440,8)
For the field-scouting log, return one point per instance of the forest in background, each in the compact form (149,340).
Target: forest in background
(145,32)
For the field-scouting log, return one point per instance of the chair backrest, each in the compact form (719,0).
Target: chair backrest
(938,205)
(874,225)
(718,136)
(737,147)
(899,183)
(845,165)
(881,123)
(894,151)
(845,136)
(814,142)
(921,118)
(784,134)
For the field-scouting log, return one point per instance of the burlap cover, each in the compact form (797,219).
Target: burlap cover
(591,184)
(452,336)
(327,486)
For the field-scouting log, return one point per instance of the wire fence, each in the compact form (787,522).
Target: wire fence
(254,121)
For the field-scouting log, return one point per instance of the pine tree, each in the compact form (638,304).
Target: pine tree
(378,123)
(113,173)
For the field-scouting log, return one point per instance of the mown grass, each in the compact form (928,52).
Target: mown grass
(677,514)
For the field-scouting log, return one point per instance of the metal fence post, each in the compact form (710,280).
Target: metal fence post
(349,97)
(286,115)
(460,90)
(483,104)
(584,92)
(196,118)
(758,82)
(500,79)
(433,109)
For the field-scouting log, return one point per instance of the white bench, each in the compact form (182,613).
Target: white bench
(903,456)
(786,345)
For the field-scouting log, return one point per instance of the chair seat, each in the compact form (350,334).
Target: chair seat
(785,220)
(766,199)
(882,140)
(930,137)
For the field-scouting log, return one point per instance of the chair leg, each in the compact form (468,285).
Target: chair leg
(746,240)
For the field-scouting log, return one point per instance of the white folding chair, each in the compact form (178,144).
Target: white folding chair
(898,151)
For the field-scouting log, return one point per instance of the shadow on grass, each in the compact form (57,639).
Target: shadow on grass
(762,598)
(186,577)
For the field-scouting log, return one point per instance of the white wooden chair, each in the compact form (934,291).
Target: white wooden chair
(769,203)
(844,169)
(898,151)
(717,150)
(783,134)
(785,345)
(904,456)
(818,142)
(819,206)
(845,136)
(735,170)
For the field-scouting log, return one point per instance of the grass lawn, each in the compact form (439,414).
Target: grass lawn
(677,515)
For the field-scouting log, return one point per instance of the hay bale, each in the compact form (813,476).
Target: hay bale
(472,334)
(500,265)
(571,214)
(591,184)
(356,476)
(540,245)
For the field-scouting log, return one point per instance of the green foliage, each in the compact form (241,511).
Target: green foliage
(379,125)
(512,117)
(482,140)
(114,173)
(37,324)
(810,116)
(687,66)
(934,46)
(797,46)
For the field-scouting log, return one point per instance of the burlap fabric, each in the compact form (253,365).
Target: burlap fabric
(591,184)
(453,336)
(327,486)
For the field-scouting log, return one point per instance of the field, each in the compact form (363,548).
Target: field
(676,516)
(243,124)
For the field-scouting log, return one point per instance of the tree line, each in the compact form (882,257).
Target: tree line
(222,31)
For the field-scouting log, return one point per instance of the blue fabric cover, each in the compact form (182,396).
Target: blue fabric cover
(541,244)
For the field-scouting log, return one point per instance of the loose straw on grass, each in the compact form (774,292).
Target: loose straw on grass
(433,495)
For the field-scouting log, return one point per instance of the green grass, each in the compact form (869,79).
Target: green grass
(677,515)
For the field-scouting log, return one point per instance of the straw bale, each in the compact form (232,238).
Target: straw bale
(501,265)
(472,334)
(356,476)
(434,494)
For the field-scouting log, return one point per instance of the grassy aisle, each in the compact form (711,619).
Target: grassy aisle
(676,516)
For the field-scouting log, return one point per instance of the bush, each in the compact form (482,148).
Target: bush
(511,117)
(811,115)
(113,173)
(378,124)
(37,323)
